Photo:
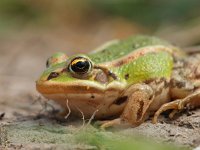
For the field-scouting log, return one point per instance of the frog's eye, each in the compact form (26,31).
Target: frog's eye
(80,66)
(56,59)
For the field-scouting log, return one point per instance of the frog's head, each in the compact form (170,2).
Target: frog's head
(80,81)
(75,74)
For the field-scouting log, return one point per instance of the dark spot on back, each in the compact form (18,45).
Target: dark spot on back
(92,96)
(166,84)
(53,75)
(114,76)
(119,63)
(149,81)
(178,84)
(126,76)
(158,81)
(139,112)
(121,100)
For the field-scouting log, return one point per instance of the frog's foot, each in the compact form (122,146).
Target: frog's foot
(109,123)
(191,100)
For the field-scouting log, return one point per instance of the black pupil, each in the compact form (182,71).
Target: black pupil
(81,66)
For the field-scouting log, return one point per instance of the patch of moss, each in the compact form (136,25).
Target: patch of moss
(113,141)
(32,132)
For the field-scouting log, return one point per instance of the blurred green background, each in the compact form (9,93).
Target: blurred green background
(149,13)
(171,19)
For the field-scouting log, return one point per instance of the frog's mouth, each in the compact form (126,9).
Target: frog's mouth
(88,97)
(76,87)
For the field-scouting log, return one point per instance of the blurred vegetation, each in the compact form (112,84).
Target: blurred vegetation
(18,9)
(109,141)
(25,12)
(151,12)
(17,12)
(147,12)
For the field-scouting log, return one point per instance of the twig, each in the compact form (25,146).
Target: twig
(69,110)
(92,117)
(83,117)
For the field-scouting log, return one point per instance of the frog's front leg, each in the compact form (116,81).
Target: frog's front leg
(140,96)
(139,100)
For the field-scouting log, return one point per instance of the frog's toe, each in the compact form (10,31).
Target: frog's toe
(171,105)
(110,123)
(171,115)
(99,123)
(192,100)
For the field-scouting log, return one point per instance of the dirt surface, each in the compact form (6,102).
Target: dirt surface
(26,124)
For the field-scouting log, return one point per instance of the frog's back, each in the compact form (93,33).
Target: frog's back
(120,48)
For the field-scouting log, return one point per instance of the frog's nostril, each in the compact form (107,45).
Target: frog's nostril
(53,75)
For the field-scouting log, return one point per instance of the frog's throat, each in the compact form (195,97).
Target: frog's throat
(138,53)
(78,87)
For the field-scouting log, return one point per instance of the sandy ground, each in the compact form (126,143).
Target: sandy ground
(22,57)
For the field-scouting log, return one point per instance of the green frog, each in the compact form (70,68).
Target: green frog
(127,80)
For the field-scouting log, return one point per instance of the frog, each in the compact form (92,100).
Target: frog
(124,81)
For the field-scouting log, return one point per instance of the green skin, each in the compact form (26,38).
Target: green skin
(123,63)
(144,68)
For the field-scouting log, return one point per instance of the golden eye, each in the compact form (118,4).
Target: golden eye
(80,65)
